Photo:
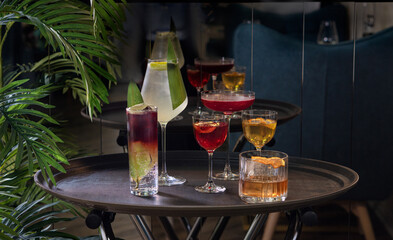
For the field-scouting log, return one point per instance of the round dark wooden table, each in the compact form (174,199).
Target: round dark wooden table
(102,183)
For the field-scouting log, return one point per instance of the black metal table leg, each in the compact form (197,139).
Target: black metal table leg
(186,224)
(142,227)
(97,218)
(107,219)
(219,229)
(196,228)
(168,228)
(256,226)
(295,225)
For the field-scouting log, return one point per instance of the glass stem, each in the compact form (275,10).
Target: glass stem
(214,81)
(163,149)
(199,109)
(210,174)
(259,149)
(227,168)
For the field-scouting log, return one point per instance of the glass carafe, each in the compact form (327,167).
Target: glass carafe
(160,47)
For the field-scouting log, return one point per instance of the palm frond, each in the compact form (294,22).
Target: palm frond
(32,220)
(38,141)
(73,32)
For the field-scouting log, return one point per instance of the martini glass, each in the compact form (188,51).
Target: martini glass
(227,102)
(214,66)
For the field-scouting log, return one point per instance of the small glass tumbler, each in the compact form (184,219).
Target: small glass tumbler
(263,176)
(142,149)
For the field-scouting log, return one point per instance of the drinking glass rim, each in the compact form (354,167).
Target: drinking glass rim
(153,108)
(237,68)
(222,60)
(257,153)
(149,60)
(243,92)
(263,112)
(211,117)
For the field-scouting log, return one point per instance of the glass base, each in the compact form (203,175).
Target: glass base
(145,192)
(226,176)
(196,111)
(236,115)
(210,187)
(251,199)
(166,180)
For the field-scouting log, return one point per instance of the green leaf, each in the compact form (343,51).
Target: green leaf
(5,237)
(20,151)
(176,85)
(133,95)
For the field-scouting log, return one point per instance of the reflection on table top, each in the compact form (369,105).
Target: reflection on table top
(102,182)
(113,115)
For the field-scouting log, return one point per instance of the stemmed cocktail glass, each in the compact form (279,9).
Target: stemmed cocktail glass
(214,66)
(164,88)
(210,132)
(234,80)
(227,102)
(259,126)
(197,79)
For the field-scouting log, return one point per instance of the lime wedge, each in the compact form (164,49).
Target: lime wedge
(138,107)
(159,66)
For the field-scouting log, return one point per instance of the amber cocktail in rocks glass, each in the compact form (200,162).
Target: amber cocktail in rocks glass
(263,176)
(227,102)
(210,132)
(214,66)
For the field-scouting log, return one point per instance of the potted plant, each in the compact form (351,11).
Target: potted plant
(82,59)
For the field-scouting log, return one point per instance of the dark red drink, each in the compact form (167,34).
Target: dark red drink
(197,78)
(212,67)
(210,135)
(227,103)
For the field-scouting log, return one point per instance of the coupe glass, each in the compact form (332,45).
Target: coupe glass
(214,66)
(234,80)
(197,79)
(227,102)
(259,126)
(210,132)
(170,97)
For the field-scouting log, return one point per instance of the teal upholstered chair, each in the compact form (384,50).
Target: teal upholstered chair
(344,120)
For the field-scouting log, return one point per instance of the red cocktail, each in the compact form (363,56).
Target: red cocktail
(227,102)
(210,132)
(198,79)
(210,135)
(214,66)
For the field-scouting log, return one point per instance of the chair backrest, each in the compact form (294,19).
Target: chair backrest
(344,119)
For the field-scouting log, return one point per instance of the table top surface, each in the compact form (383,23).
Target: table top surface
(113,114)
(102,182)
